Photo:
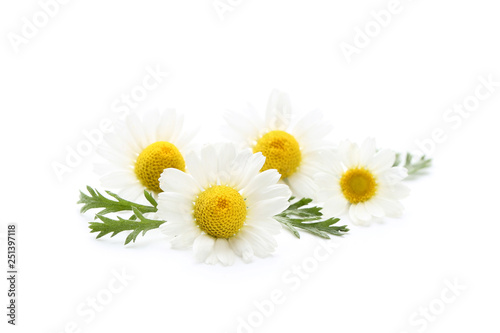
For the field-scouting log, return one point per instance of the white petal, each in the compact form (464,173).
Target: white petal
(353,156)
(184,141)
(327,185)
(330,162)
(243,127)
(185,240)
(374,209)
(167,125)
(226,153)
(175,202)
(401,191)
(119,179)
(267,208)
(335,206)
(173,228)
(134,125)
(246,167)
(395,192)
(203,246)
(269,225)
(174,180)
(104,168)
(343,148)
(383,160)
(392,208)
(195,167)
(361,212)
(224,252)
(307,123)
(179,123)
(302,184)
(261,243)
(116,143)
(367,151)
(352,212)
(311,130)
(116,157)
(209,161)
(174,216)
(260,183)
(226,156)
(349,154)
(270,192)
(394,175)
(241,160)
(359,222)
(150,123)
(265,236)
(326,179)
(279,112)
(122,134)
(132,192)
(325,193)
(242,248)
(212,259)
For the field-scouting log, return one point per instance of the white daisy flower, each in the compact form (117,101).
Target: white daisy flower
(224,207)
(139,151)
(363,181)
(292,149)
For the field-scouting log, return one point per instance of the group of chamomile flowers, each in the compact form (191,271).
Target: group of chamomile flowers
(221,200)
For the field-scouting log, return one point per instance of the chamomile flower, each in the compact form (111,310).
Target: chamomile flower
(224,207)
(292,149)
(139,151)
(363,181)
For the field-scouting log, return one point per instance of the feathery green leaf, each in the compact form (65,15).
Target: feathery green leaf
(113,227)
(298,215)
(97,200)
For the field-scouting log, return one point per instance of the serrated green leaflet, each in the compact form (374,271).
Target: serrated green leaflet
(113,227)
(308,219)
(97,200)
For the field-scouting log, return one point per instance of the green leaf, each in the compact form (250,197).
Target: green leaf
(298,215)
(415,166)
(97,200)
(114,227)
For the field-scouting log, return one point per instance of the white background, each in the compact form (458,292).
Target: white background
(65,79)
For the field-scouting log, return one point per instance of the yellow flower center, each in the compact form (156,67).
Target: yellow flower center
(358,185)
(153,160)
(220,211)
(282,152)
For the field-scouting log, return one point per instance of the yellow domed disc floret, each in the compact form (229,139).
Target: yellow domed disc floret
(153,160)
(358,185)
(282,152)
(220,211)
